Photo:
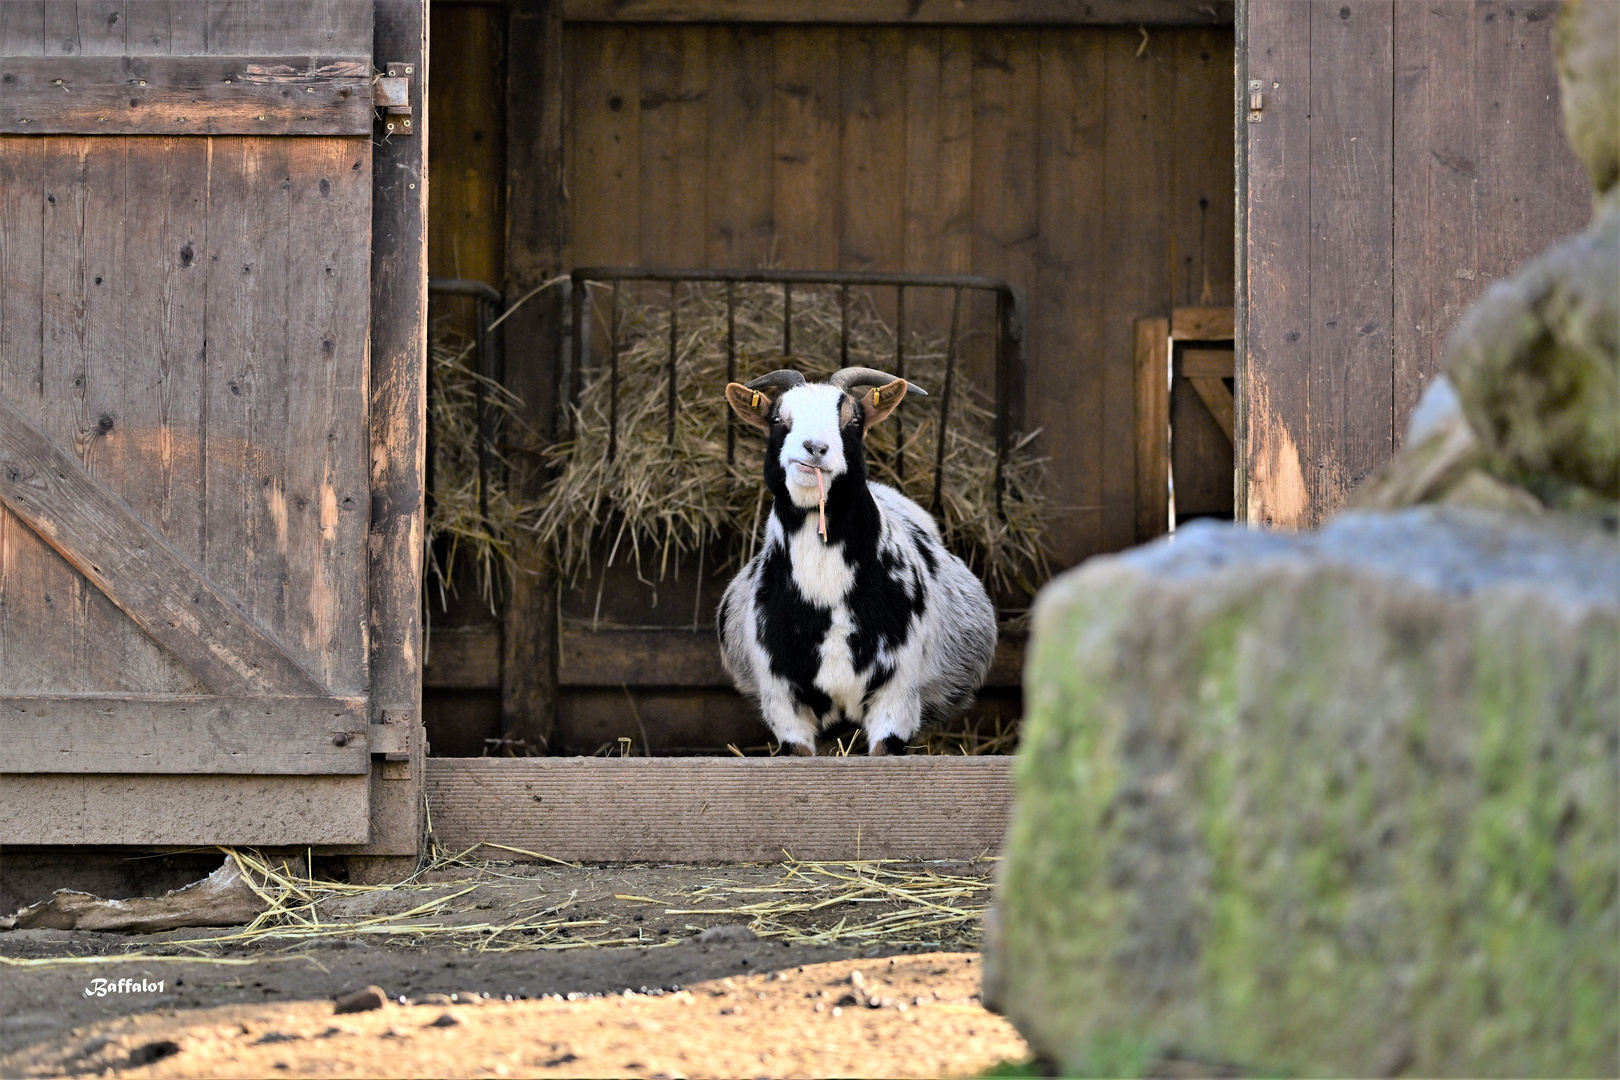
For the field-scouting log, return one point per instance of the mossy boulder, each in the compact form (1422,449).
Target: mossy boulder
(1341,803)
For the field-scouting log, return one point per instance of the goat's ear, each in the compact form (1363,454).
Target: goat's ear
(754,406)
(880,401)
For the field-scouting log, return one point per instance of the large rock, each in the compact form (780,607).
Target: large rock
(1341,803)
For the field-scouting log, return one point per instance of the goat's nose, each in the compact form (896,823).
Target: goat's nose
(816,448)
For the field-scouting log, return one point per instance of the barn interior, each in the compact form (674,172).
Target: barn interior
(1085,162)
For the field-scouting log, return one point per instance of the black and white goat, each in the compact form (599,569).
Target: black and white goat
(853,611)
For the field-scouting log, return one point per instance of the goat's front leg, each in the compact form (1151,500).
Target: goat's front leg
(893,717)
(793,724)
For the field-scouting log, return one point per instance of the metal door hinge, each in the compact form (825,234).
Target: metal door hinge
(1257,101)
(392,94)
(390,735)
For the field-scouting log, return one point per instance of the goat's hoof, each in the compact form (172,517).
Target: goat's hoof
(893,746)
(793,749)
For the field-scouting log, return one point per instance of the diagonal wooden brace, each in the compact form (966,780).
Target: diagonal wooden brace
(139,571)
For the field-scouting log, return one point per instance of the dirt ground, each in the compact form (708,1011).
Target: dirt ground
(495,945)
(911,1016)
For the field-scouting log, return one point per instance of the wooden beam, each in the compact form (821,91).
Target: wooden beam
(125,558)
(910,12)
(398,417)
(466,658)
(721,810)
(470,660)
(149,734)
(1206,363)
(1201,324)
(185,95)
(537,213)
(182,811)
(1212,391)
(1152,428)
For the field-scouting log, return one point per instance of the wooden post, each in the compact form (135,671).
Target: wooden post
(1152,428)
(398,416)
(536,231)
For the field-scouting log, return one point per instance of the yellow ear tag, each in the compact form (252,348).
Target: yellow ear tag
(875,396)
(755,403)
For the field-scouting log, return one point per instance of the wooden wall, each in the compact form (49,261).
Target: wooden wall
(1090,166)
(1407,156)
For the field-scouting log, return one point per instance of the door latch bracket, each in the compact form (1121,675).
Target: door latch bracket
(392,94)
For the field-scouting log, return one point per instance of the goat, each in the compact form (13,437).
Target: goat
(853,610)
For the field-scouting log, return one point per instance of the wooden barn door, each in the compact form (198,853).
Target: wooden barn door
(1395,158)
(185,298)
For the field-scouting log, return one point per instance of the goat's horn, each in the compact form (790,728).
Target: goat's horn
(865,376)
(780,379)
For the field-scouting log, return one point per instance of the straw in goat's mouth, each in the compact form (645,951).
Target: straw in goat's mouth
(821,509)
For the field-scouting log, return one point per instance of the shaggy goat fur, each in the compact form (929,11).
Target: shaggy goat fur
(877,624)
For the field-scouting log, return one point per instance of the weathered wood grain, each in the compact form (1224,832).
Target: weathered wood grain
(914,12)
(605,133)
(872,152)
(326,490)
(1278,228)
(806,117)
(674,136)
(1070,311)
(738,189)
(197,735)
(938,165)
(121,555)
(1352,288)
(183,810)
(396,409)
(133,95)
(1139,91)
(705,810)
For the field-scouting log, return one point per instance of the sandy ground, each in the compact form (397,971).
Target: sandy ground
(909,1016)
(527,932)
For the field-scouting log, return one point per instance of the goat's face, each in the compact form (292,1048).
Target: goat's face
(815,426)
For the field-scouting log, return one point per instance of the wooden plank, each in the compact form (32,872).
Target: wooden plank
(1352,140)
(1140,100)
(396,410)
(914,12)
(1152,357)
(1199,161)
(466,658)
(325,488)
(466,231)
(200,735)
(124,558)
(249,398)
(805,147)
(1206,363)
(102,27)
(539,213)
(22,29)
(233,26)
(1277,346)
(469,659)
(641,658)
(872,152)
(605,166)
(738,189)
(142,95)
(1201,323)
(1217,399)
(1065,391)
(1436,175)
(674,136)
(1534,191)
(149,31)
(938,165)
(719,810)
(183,810)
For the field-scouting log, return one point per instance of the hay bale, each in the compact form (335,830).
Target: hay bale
(659,498)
